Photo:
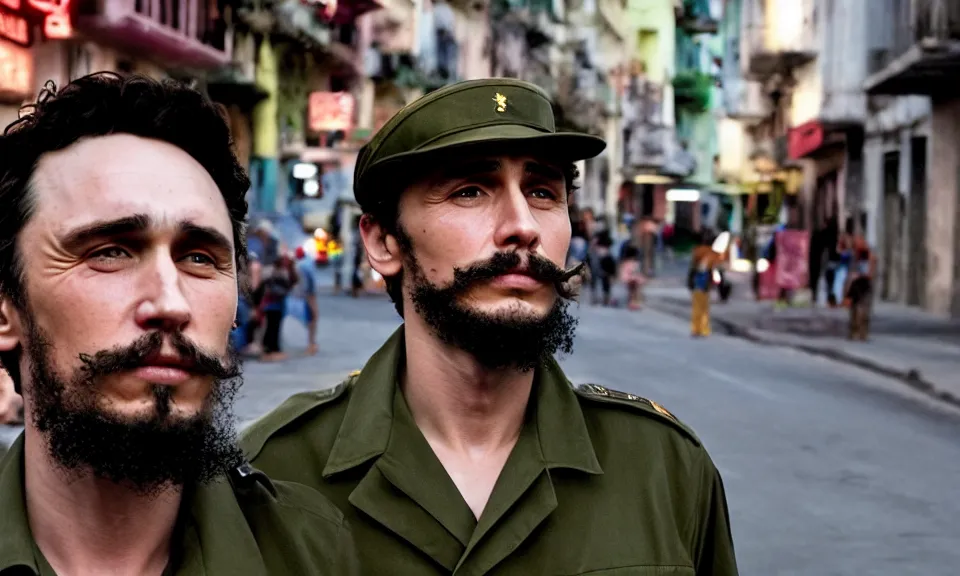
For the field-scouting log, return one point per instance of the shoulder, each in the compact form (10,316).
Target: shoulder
(296,528)
(291,412)
(285,501)
(607,402)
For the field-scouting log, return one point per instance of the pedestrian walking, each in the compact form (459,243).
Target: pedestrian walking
(307,291)
(605,267)
(842,275)
(273,305)
(700,281)
(252,296)
(860,293)
(631,276)
(462,447)
(115,326)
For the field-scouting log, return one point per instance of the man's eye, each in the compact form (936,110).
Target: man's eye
(469,192)
(199,259)
(543,194)
(112,253)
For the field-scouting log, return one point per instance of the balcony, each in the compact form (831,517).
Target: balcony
(391,29)
(923,55)
(187,33)
(778,36)
(769,53)
(650,143)
(645,132)
(578,100)
(537,17)
(745,101)
(697,19)
(613,16)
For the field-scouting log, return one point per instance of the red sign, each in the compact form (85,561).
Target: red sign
(16,17)
(56,25)
(16,70)
(13,27)
(331,111)
(792,259)
(804,139)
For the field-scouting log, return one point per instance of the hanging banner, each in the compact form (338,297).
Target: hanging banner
(791,261)
(330,112)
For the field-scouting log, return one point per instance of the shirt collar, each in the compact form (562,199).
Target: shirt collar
(365,430)
(16,546)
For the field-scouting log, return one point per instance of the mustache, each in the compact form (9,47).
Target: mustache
(537,267)
(132,356)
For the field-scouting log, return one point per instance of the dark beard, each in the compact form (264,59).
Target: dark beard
(508,339)
(147,453)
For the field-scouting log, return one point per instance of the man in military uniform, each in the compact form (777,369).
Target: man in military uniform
(461,447)
(121,238)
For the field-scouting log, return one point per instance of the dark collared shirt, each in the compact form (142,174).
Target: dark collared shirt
(249,526)
(598,483)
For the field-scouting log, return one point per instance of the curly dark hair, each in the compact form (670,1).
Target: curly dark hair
(387,214)
(99,105)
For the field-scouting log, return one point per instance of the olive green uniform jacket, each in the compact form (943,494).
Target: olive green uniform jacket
(599,483)
(242,526)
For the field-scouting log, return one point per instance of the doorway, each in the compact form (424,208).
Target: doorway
(892,228)
(917,223)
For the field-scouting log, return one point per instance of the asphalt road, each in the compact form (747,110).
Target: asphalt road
(829,470)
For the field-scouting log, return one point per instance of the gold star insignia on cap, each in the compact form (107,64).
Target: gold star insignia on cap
(501,101)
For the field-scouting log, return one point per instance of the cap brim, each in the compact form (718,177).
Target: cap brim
(510,139)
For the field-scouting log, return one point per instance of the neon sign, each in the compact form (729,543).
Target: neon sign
(12,26)
(330,111)
(15,22)
(56,25)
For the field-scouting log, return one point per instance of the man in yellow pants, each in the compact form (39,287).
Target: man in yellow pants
(699,281)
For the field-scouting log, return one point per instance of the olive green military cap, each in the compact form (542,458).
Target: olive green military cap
(472,114)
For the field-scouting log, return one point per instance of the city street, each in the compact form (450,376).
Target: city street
(829,470)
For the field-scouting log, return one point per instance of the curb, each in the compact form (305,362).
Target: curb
(911,377)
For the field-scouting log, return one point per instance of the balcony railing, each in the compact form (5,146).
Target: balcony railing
(744,100)
(931,23)
(578,99)
(181,32)
(643,102)
(650,141)
(922,55)
(777,35)
(769,51)
(697,17)
(647,146)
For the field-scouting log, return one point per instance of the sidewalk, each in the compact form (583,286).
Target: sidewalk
(914,346)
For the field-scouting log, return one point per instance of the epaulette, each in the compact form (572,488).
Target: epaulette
(604,394)
(245,477)
(293,408)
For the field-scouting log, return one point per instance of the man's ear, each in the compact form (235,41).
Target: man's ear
(11,333)
(383,249)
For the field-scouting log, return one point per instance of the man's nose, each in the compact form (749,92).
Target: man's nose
(516,224)
(164,306)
